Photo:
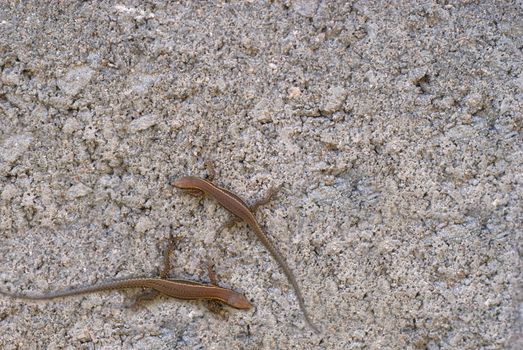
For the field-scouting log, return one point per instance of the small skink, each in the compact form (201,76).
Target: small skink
(179,289)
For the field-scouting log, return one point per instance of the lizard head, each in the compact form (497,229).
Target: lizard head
(238,301)
(187,182)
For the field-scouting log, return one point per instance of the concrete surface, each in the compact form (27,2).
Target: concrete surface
(395,131)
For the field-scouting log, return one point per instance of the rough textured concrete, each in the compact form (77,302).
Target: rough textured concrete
(396,133)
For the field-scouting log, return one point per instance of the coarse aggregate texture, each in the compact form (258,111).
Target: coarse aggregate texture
(394,129)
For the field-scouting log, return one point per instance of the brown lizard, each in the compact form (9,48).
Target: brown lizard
(180,289)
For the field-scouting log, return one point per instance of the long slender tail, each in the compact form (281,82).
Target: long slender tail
(288,272)
(113,285)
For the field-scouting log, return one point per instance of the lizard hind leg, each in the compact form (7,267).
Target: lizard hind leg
(151,294)
(227,225)
(145,296)
(215,306)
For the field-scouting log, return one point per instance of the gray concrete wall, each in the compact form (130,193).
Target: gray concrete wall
(394,130)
